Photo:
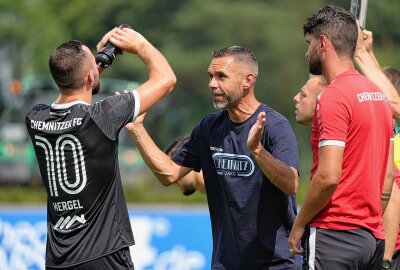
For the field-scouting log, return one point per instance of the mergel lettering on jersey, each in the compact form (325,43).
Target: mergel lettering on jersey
(67,205)
(374,96)
(233,164)
(53,126)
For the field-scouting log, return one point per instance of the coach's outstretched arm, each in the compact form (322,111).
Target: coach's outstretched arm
(161,76)
(162,166)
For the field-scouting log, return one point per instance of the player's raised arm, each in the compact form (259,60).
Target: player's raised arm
(161,76)
(369,66)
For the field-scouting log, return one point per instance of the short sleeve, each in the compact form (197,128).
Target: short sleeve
(188,155)
(114,112)
(333,116)
(282,144)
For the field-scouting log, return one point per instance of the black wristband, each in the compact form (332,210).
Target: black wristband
(387,264)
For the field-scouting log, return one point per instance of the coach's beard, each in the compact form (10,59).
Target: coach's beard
(227,101)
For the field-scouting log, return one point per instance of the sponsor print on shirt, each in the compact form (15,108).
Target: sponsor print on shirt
(371,96)
(233,164)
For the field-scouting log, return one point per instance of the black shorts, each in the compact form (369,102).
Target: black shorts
(396,260)
(120,260)
(344,250)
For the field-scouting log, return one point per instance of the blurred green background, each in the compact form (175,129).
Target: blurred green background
(186,32)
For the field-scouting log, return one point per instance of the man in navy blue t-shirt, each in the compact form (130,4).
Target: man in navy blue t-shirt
(249,158)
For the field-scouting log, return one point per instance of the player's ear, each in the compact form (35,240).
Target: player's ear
(323,43)
(90,77)
(248,80)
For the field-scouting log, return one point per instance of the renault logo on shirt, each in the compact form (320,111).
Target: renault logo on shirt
(233,164)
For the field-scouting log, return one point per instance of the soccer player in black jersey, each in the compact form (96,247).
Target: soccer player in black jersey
(76,147)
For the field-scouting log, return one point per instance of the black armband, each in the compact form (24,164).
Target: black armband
(385,196)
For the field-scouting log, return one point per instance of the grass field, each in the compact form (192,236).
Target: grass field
(143,193)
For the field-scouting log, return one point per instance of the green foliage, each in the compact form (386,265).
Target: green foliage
(187,32)
(22,194)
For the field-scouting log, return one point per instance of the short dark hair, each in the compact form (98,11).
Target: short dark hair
(393,75)
(338,24)
(65,64)
(240,54)
(176,144)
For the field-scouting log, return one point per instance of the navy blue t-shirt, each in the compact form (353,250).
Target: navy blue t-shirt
(250,217)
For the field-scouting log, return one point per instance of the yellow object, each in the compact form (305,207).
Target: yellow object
(397,150)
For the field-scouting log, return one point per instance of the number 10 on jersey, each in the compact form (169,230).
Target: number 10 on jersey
(66,149)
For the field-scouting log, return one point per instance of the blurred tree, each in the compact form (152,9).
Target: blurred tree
(187,32)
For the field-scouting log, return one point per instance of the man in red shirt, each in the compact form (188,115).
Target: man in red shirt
(341,216)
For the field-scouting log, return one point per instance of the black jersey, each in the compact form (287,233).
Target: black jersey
(250,217)
(76,146)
